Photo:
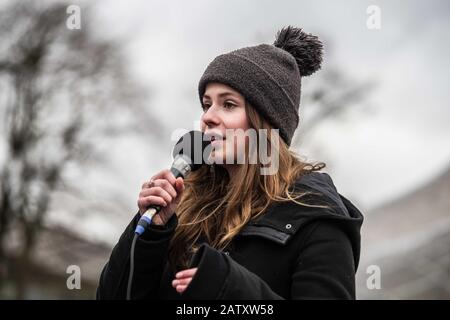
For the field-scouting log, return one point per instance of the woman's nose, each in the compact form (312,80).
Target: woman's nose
(210,117)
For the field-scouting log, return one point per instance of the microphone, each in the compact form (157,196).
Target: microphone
(190,153)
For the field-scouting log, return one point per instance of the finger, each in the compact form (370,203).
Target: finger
(181,288)
(186,273)
(151,200)
(163,183)
(182,281)
(158,191)
(179,186)
(164,174)
(168,175)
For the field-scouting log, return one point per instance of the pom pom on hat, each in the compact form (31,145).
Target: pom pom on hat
(306,48)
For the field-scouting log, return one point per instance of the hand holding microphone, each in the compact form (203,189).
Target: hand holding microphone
(190,153)
(162,190)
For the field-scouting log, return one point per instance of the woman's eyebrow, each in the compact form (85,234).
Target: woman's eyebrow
(223,94)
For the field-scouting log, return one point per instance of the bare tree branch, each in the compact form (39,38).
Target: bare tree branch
(68,89)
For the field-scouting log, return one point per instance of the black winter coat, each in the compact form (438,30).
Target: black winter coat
(289,252)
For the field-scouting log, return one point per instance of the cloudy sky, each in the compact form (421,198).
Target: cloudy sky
(373,156)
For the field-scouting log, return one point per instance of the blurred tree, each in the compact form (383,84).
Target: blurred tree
(60,90)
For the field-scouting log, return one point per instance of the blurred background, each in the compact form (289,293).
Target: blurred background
(94,95)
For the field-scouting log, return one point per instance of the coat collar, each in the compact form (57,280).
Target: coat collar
(282,220)
(279,223)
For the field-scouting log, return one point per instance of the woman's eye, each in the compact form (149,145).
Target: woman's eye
(229,105)
(205,106)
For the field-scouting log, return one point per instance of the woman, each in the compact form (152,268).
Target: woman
(228,231)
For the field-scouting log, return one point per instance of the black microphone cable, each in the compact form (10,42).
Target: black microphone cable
(144,222)
(130,276)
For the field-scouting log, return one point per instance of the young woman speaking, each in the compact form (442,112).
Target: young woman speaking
(228,231)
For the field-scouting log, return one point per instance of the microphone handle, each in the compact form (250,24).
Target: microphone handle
(146,219)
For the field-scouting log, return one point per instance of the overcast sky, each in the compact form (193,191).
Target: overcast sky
(372,157)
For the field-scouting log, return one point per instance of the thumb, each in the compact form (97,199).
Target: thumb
(179,186)
(180,183)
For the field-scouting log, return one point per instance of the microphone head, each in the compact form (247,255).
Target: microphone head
(195,146)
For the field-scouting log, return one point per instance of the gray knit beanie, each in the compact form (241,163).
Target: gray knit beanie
(269,76)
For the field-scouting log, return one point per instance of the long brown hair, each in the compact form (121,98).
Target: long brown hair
(215,209)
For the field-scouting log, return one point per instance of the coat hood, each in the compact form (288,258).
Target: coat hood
(283,220)
(322,182)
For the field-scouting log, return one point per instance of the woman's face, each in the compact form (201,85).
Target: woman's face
(223,113)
